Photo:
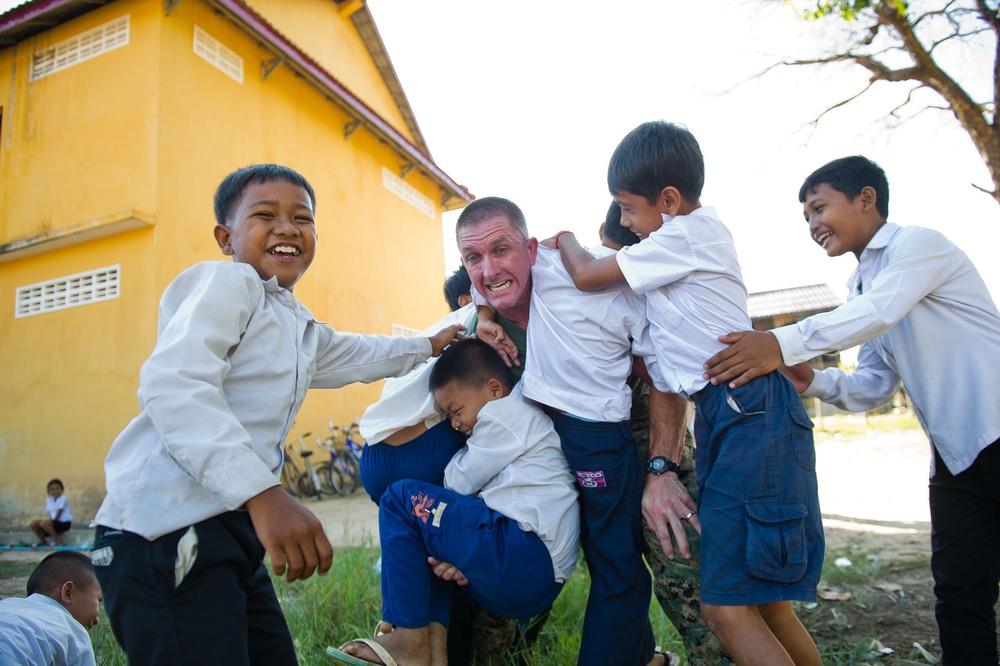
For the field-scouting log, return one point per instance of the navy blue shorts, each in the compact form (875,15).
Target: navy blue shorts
(762,531)
(423,458)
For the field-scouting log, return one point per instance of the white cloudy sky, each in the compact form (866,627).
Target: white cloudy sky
(527,100)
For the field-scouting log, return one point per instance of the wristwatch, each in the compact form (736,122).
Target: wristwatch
(660,465)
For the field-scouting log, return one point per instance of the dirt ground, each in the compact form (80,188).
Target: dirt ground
(873,492)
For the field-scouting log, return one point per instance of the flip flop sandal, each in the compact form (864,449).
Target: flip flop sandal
(345,658)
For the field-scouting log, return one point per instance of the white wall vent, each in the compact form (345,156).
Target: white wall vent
(84,46)
(94,286)
(219,56)
(407,193)
(405,331)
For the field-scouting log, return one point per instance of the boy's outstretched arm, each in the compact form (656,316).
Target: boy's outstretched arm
(445,337)
(291,535)
(750,354)
(588,272)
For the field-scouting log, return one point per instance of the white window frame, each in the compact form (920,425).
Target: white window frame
(70,291)
(407,192)
(217,54)
(80,48)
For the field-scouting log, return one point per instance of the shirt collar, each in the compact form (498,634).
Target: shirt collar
(882,237)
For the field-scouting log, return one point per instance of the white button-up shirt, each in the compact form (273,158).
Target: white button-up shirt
(514,461)
(925,316)
(39,631)
(580,343)
(691,278)
(233,359)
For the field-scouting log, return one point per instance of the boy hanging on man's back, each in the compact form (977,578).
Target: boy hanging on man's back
(922,315)
(755,457)
(193,499)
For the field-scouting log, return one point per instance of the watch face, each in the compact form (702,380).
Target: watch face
(657,465)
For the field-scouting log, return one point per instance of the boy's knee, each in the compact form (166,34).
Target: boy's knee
(720,617)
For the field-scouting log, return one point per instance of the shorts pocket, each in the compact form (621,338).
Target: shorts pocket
(775,543)
(801,437)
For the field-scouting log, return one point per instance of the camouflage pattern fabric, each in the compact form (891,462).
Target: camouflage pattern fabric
(676,583)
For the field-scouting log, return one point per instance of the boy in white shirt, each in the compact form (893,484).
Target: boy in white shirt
(762,533)
(59,515)
(506,518)
(193,496)
(922,314)
(49,627)
(579,358)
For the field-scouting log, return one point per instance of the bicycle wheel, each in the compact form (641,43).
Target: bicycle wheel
(332,478)
(306,488)
(290,479)
(352,471)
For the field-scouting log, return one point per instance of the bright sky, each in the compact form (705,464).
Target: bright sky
(527,100)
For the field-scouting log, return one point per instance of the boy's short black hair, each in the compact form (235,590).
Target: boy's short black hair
(656,155)
(59,567)
(231,188)
(49,484)
(614,230)
(850,175)
(469,362)
(489,207)
(458,284)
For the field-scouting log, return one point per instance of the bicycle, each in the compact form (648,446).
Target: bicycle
(298,481)
(345,470)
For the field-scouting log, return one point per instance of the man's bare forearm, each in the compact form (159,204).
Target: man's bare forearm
(667,424)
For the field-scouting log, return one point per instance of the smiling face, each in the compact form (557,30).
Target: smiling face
(840,225)
(273,229)
(55,490)
(461,403)
(83,603)
(499,260)
(638,215)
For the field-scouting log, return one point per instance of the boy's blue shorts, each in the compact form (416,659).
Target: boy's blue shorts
(762,531)
(424,459)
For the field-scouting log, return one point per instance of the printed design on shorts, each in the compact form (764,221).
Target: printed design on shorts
(591,479)
(423,508)
(102,556)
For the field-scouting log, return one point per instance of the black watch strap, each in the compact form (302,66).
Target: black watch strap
(662,465)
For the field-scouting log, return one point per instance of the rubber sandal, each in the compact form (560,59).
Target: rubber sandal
(345,658)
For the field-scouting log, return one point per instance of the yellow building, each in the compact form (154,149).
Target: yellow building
(117,121)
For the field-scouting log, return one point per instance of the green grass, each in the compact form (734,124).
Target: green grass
(346,604)
(14,569)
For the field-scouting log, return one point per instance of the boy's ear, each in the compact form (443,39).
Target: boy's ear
(223,236)
(670,200)
(66,592)
(868,197)
(495,388)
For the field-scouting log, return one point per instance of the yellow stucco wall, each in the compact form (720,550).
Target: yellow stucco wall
(153,128)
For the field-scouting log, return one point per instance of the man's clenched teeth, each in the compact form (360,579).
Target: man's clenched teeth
(499,286)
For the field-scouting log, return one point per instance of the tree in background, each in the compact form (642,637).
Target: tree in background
(948,47)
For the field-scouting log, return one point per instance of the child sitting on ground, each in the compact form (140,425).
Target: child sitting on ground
(923,316)
(755,459)
(193,497)
(506,520)
(50,625)
(59,515)
(579,358)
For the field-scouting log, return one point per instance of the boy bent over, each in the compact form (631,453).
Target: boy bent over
(507,518)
